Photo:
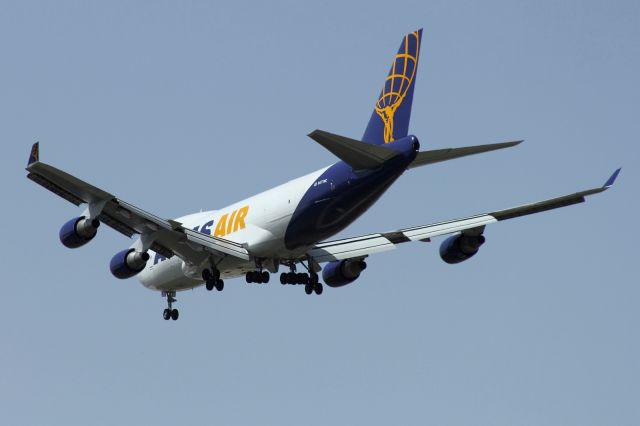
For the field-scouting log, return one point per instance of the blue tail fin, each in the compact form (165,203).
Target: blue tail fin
(390,118)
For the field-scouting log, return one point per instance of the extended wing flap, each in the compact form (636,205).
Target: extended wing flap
(217,244)
(421,233)
(351,248)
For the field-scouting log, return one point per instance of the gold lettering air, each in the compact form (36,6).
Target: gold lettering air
(228,224)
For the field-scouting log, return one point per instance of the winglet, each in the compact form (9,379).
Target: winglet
(612,179)
(35,153)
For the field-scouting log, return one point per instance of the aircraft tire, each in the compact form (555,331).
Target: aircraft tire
(174,314)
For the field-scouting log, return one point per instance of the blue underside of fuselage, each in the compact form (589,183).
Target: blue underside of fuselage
(340,196)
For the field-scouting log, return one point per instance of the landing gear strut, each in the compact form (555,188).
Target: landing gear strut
(212,280)
(170,313)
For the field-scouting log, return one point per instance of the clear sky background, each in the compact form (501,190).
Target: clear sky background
(182,106)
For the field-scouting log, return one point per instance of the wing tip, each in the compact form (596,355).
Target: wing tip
(612,179)
(512,143)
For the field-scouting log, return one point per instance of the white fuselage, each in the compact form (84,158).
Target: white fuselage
(259,221)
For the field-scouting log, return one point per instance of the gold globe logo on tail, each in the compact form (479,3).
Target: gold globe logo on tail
(397,84)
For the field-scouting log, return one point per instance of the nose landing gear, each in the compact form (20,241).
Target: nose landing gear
(170,313)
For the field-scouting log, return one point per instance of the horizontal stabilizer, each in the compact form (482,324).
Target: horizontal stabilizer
(359,155)
(438,155)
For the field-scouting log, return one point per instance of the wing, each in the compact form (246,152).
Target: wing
(166,237)
(375,243)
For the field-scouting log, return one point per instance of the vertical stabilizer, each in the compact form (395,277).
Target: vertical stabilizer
(390,118)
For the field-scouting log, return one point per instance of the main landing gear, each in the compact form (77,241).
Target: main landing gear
(310,281)
(170,313)
(212,280)
(258,277)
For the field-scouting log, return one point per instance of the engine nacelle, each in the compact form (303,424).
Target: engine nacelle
(459,248)
(127,263)
(78,231)
(342,272)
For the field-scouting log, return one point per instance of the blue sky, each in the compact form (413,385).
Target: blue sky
(182,106)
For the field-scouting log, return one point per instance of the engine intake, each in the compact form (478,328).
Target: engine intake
(342,272)
(78,231)
(461,247)
(127,263)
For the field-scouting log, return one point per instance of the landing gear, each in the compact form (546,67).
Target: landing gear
(310,288)
(170,313)
(309,280)
(258,277)
(297,278)
(212,280)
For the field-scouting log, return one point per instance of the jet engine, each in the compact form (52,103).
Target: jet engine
(127,263)
(461,247)
(78,231)
(342,272)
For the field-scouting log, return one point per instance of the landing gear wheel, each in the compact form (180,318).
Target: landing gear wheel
(219,285)
(265,277)
(308,288)
(174,314)
(318,288)
(283,278)
(210,278)
(166,314)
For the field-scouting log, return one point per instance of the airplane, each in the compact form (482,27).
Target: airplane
(289,226)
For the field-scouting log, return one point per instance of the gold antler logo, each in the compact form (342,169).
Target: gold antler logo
(397,84)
